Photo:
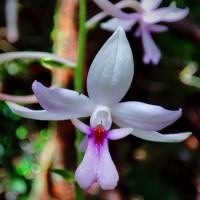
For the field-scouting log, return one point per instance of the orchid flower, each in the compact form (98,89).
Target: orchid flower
(147,15)
(109,78)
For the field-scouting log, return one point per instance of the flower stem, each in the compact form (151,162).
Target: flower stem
(82,42)
(79,78)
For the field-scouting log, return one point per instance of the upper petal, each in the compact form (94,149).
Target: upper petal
(150,5)
(85,174)
(143,116)
(112,24)
(63,101)
(37,114)
(157,137)
(107,175)
(111,72)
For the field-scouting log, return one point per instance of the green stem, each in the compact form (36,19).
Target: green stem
(82,43)
(79,78)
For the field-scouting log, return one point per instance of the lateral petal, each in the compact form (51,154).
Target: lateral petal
(143,116)
(107,175)
(81,126)
(176,15)
(111,72)
(112,24)
(157,15)
(63,101)
(85,174)
(157,137)
(37,114)
(119,133)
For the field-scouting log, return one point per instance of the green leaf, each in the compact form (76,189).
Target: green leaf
(50,63)
(67,175)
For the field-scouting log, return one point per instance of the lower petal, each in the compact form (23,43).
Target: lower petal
(157,137)
(152,53)
(85,174)
(107,175)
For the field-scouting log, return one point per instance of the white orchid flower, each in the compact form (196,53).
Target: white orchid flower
(147,15)
(109,78)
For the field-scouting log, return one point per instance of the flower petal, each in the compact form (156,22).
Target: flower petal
(111,72)
(85,174)
(143,116)
(152,53)
(112,24)
(81,126)
(150,5)
(157,28)
(107,175)
(101,116)
(176,15)
(116,134)
(36,114)
(157,137)
(63,101)
(111,9)
(95,19)
(157,15)
(84,143)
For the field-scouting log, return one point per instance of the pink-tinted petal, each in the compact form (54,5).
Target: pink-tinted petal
(112,24)
(116,134)
(111,9)
(157,15)
(101,116)
(157,28)
(150,4)
(83,145)
(95,19)
(157,137)
(107,175)
(85,174)
(81,126)
(37,114)
(111,72)
(137,32)
(121,4)
(176,15)
(152,53)
(63,101)
(143,116)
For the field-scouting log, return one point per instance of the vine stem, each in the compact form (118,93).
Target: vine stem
(79,79)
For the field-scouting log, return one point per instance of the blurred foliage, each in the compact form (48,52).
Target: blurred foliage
(148,170)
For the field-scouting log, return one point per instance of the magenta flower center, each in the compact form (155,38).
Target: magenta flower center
(99,134)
